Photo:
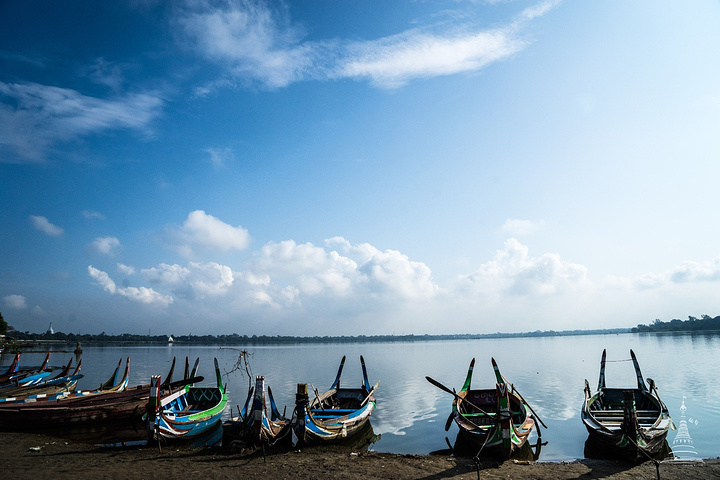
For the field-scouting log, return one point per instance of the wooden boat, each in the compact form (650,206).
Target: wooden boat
(336,414)
(62,382)
(257,425)
(186,413)
(493,421)
(631,423)
(15,375)
(114,402)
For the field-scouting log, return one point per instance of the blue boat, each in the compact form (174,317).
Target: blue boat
(187,413)
(336,414)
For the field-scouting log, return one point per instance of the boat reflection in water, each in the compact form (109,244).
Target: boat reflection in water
(599,451)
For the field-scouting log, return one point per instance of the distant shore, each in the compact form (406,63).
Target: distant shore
(27,456)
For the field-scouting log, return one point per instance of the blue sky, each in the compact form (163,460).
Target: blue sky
(365,167)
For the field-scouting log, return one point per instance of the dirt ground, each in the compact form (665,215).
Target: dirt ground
(31,456)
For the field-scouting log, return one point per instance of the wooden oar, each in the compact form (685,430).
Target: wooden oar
(526,403)
(185,381)
(317,394)
(446,389)
(370,393)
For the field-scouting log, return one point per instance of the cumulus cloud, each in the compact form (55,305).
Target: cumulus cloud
(197,280)
(16,302)
(34,117)
(105,245)
(143,295)
(360,269)
(513,271)
(255,42)
(42,224)
(204,231)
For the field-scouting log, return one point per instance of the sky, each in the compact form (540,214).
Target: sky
(358,167)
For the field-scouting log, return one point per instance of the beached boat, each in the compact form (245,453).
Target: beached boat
(631,423)
(15,376)
(113,401)
(187,413)
(335,414)
(62,382)
(493,421)
(257,425)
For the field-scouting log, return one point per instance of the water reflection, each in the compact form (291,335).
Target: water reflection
(411,413)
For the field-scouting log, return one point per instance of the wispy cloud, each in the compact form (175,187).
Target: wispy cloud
(394,61)
(220,157)
(250,39)
(34,117)
(254,42)
(42,224)
(517,227)
(90,214)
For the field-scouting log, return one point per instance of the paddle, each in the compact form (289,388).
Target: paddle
(317,394)
(525,402)
(370,393)
(185,381)
(446,389)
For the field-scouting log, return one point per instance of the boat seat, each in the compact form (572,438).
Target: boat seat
(333,411)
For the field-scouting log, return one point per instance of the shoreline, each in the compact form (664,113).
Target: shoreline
(27,454)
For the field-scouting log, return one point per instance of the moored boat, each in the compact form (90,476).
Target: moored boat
(187,413)
(257,425)
(114,401)
(335,414)
(62,382)
(631,423)
(493,421)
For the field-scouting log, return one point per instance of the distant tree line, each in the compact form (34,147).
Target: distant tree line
(236,339)
(692,324)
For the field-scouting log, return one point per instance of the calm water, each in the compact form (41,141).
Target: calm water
(549,372)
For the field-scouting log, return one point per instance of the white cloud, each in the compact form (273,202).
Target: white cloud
(126,269)
(42,224)
(220,157)
(255,42)
(689,272)
(204,231)
(89,214)
(250,39)
(105,245)
(33,117)
(513,271)
(16,302)
(197,280)
(519,227)
(143,295)
(362,270)
(392,62)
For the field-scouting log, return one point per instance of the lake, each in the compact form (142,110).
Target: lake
(410,417)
